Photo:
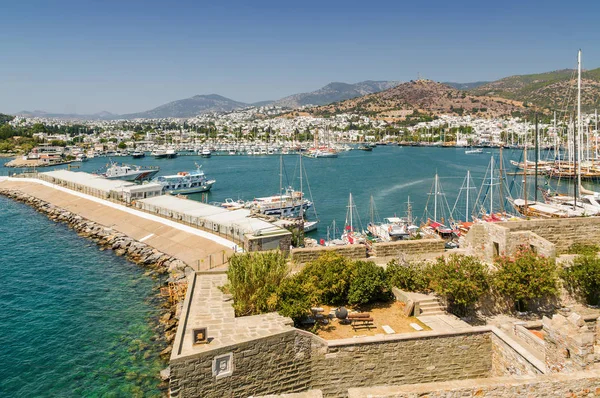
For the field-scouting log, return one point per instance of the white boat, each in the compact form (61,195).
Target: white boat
(129,173)
(473,151)
(231,204)
(185,182)
(205,153)
(350,236)
(290,204)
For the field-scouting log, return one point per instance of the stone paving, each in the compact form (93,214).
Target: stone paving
(211,308)
(444,323)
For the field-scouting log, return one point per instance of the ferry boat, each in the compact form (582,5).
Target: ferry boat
(185,182)
(164,153)
(129,173)
(291,204)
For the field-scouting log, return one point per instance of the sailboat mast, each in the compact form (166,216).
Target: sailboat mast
(372,210)
(435,193)
(525,177)
(501,182)
(350,205)
(492,185)
(280,186)
(537,160)
(555,139)
(596,135)
(467,205)
(578,117)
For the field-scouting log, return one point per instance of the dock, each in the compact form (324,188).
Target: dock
(193,247)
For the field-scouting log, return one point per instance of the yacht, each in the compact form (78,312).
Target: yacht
(185,182)
(129,173)
(138,154)
(291,204)
(205,153)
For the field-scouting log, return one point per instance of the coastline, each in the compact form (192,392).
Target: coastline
(158,264)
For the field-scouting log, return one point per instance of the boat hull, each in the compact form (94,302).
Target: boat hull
(186,191)
(136,177)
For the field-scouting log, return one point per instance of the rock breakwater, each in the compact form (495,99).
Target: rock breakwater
(170,271)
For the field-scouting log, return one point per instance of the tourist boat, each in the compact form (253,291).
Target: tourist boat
(129,173)
(138,154)
(290,204)
(159,153)
(170,153)
(473,151)
(185,182)
(205,153)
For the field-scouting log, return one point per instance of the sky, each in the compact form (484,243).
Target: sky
(125,56)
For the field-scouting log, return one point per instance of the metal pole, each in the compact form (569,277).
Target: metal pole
(537,159)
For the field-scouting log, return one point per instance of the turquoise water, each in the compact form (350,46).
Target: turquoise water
(76,321)
(389,174)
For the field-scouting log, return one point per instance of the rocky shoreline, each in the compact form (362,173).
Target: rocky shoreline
(158,263)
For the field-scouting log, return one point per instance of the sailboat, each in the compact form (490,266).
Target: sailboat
(309,226)
(350,236)
(441,209)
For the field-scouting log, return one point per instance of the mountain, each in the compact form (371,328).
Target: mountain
(189,107)
(423,96)
(465,86)
(67,116)
(553,90)
(334,92)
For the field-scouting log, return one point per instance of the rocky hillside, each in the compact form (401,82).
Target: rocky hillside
(553,90)
(424,96)
(189,107)
(334,92)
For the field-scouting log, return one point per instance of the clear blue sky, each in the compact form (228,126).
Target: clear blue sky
(124,56)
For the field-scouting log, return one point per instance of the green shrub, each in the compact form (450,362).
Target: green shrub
(330,274)
(584,249)
(368,284)
(296,297)
(525,277)
(253,281)
(411,276)
(583,277)
(462,280)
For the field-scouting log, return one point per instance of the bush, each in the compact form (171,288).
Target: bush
(296,297)
(583,277)
(583,249)
(462,280)
(409,276)
(525,277)
(330,275)
(368,284)
(253,281)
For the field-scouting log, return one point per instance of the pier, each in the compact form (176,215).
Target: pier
(192,246)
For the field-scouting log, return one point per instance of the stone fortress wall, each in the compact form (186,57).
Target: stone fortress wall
(266,355)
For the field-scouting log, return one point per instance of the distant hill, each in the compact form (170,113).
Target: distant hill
(5,118)
(334,92)
(465,86)
(423,96)
(553,90)
(189,107)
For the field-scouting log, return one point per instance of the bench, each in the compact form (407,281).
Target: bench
(358,320)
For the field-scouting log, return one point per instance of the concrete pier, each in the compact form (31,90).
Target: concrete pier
(178,241)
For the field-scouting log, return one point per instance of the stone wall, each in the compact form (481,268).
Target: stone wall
(569,343)
(583,384)
(308,254)
(404,359)
(525,334)
(275,364)
(507,361)
(420,247)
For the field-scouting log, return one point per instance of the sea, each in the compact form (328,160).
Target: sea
(78,321)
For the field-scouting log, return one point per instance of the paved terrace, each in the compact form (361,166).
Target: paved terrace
(210,307)
(180,241)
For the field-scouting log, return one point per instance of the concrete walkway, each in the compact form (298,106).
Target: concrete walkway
(444,323)
(188,244)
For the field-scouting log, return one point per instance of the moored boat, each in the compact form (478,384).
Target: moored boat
(185,182)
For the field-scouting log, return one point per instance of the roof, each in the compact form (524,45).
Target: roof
(89,180)
(242,218)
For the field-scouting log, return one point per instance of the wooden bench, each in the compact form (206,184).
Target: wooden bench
(359,320)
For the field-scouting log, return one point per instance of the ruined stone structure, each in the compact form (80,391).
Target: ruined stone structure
(264,354)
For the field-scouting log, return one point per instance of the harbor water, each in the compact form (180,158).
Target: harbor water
(76,321)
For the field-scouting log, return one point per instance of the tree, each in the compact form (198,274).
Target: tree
(526,276)
(583,277)
(253,281)
(368,284)
(409,276)
(462,280)
(122,145)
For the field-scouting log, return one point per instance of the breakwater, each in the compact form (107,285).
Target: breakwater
(170,271)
